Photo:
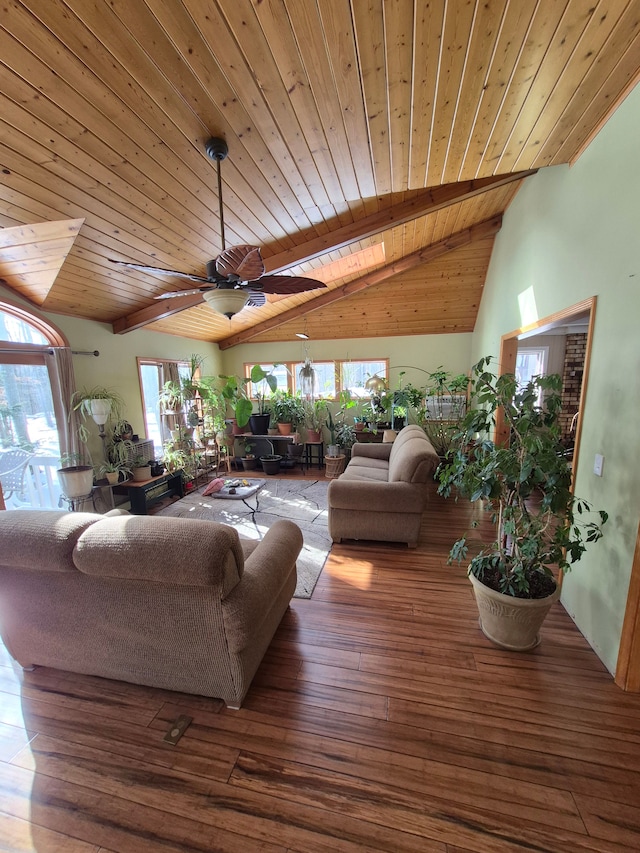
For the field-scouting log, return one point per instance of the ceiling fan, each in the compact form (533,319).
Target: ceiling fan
(236,278)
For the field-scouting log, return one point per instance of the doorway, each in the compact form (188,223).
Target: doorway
(627,674)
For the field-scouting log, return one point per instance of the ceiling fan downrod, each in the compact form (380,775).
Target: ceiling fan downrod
(217,149)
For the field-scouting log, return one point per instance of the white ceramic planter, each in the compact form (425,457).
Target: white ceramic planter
(100,410)
(76,481)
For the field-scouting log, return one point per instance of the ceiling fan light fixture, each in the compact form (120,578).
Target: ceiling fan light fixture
(226,301)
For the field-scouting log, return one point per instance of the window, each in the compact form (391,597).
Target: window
(153,374)
(354,375)
(262,389)
(333,376)
(325,378)
(29,414)
(531,362)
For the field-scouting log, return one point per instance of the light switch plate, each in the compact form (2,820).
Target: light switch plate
(598,465)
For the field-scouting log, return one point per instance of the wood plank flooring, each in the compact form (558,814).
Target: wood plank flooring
(380,720)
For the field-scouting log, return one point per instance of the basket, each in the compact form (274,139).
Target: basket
(334,466)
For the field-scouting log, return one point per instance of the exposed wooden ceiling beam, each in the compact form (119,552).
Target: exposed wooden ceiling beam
(428,202)
(461,238)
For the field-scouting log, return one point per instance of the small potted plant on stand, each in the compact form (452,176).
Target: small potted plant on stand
(111,472)
(288,411)
(526,485)
(141,469)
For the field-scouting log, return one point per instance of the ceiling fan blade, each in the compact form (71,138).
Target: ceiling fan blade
(286,284)
(161,271)
(174,293)
(243,261)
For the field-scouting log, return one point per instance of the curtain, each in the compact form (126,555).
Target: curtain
(59,363)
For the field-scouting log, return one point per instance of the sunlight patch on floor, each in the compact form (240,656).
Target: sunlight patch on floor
(356,573)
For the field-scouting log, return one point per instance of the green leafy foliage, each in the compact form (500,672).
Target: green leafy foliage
(526,485)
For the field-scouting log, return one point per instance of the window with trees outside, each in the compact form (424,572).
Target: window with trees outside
(332,376)
(153,373)
(29,414)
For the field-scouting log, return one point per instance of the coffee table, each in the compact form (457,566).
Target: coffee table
(235,490)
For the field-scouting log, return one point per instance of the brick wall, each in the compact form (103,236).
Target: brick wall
(574,356)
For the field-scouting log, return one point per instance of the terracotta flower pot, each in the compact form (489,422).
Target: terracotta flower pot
(511,623)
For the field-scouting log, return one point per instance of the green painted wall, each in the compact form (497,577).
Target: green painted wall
(572,233)
(116,366)
(428,352)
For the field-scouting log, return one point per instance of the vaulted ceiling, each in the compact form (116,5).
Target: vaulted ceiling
(373,144)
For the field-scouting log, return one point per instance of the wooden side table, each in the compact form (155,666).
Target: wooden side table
(311,449)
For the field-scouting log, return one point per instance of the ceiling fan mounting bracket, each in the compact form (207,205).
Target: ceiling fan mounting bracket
(216,148)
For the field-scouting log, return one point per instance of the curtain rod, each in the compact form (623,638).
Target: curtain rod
(94,352)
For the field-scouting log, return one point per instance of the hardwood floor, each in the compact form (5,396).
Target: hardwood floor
(380,719)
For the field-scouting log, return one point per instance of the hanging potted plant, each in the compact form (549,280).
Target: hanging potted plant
(308,379)
(100,404)
(526,485)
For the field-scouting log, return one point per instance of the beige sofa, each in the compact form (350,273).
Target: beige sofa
(383,491)
(181,604)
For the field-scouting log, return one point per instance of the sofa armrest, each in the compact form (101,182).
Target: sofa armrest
(266,571)
(372,496)
(372,451)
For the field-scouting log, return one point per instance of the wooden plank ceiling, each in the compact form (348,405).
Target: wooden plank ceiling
(360,133)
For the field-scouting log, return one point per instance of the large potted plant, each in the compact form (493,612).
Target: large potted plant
(541,528)
(75,476)
(261,380)
(234,392)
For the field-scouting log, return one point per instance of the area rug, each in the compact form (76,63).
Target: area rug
(301,501)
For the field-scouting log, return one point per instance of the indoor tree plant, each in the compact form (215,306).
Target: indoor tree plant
(526,485)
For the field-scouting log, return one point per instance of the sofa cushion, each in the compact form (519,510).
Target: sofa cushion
(43,539)
(370,464)
(175,550)
(365,474)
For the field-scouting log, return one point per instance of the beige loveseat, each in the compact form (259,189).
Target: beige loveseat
(181,604)
(383,491)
